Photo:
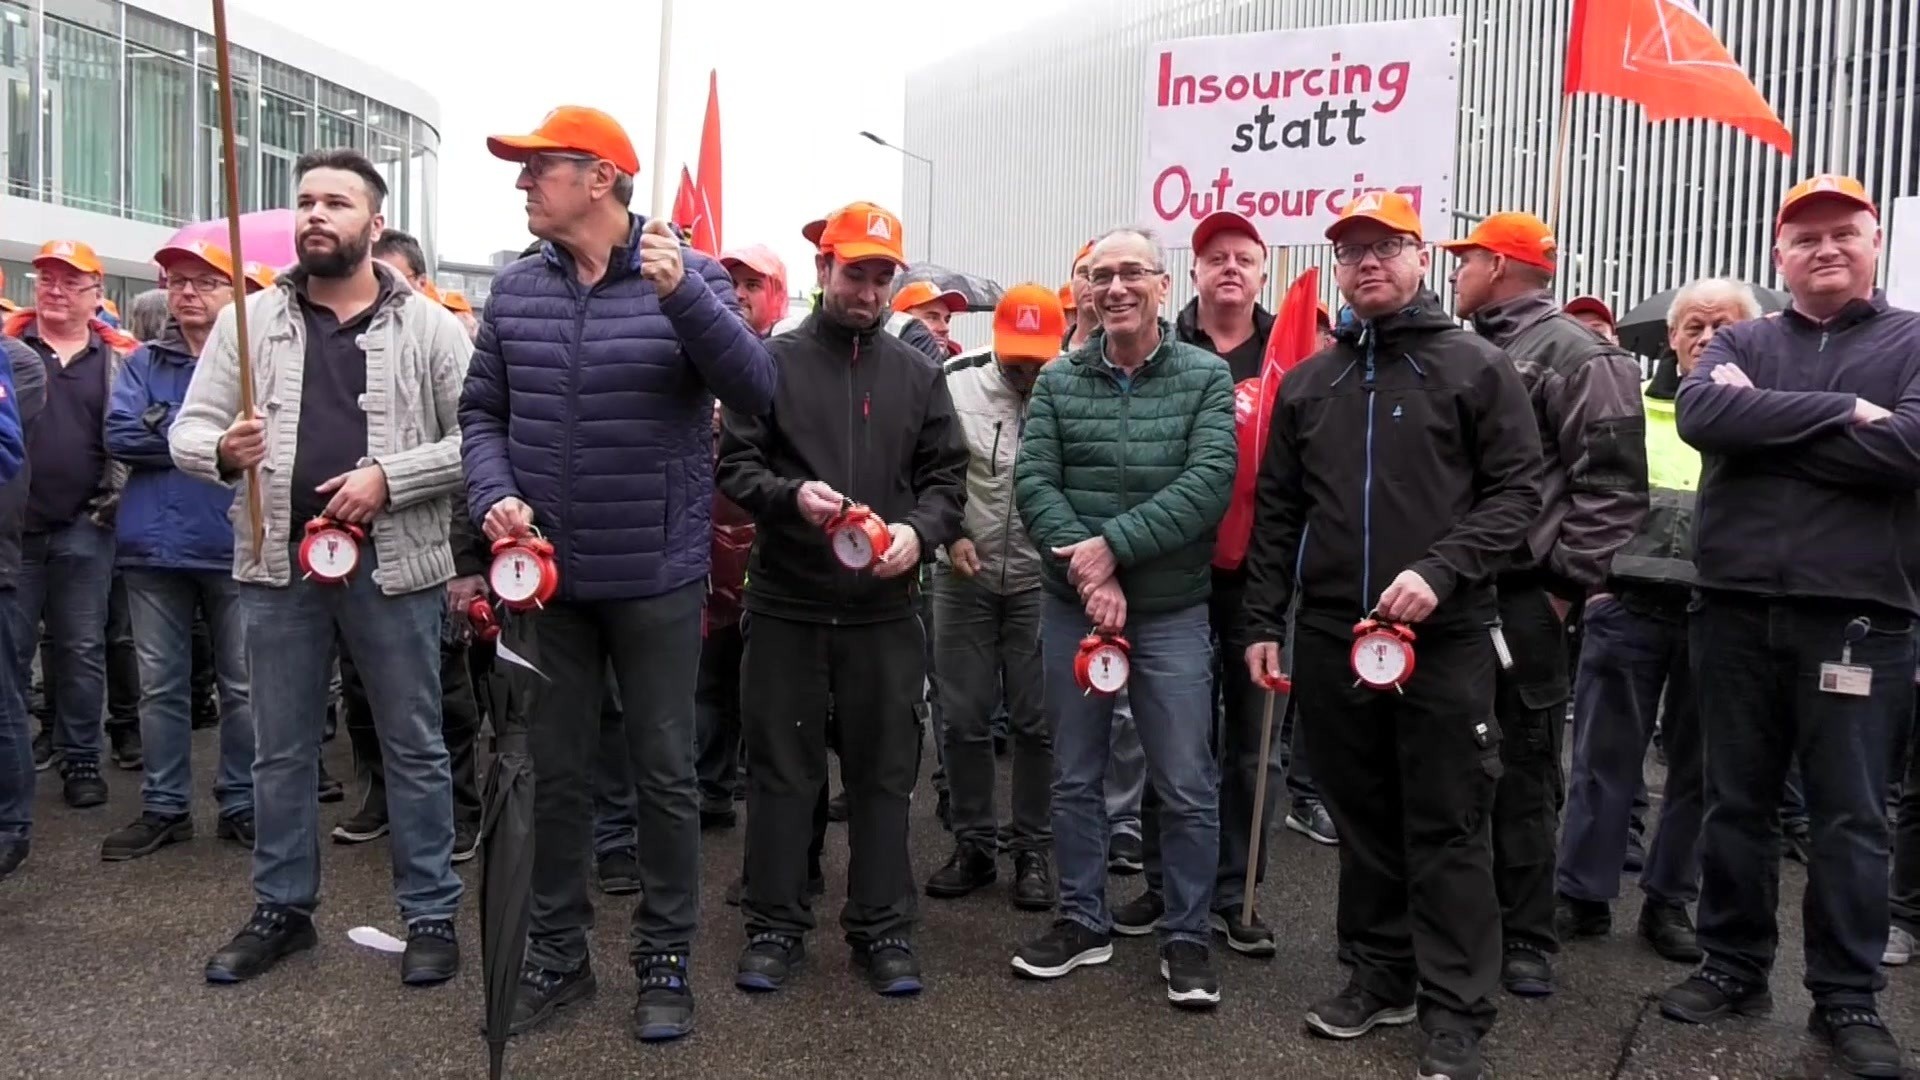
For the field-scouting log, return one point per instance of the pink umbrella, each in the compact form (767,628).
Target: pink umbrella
(266,236)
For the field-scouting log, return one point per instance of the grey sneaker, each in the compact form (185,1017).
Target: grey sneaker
(1899,948)
(1312,821)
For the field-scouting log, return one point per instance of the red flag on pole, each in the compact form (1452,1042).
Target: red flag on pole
(709,177)
(1663,55)
(691,214)
(685,206)
(1295,336)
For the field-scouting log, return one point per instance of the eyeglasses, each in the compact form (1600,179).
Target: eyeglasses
(201,285)
(539,165)
(1126,275)
(65,288)
(1387,247)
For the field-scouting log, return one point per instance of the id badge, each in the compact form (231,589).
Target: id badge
(1850,680)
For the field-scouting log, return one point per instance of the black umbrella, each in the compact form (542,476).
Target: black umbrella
(981,293)
(506,852)
(1644,329)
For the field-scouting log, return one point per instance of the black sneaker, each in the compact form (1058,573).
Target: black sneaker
(272,934)
(12,854)
(1248,938)
(1527,972)
(1311,820)
(1859,1038)
(718,815)
(664,1009)
(1706,996)
(1451,1054)
(768,961)
(1669,930)
(1125,855)
(145,836)
(837,807)
(1635,859)
(618,872)
(544,993)
(364,827)
(1139,916)
(1355,1011)
(331,790)
(44,755)
(1191,982)
(1574,919)
(1033,881)
(81,784)
(433,953)
(1057,952)
(466,840)
(892,969)
(125,744)
(237,828)
(968,869)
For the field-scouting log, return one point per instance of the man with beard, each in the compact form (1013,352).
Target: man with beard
(358,378)
(860,418)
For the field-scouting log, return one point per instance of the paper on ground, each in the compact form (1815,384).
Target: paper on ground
(376,939)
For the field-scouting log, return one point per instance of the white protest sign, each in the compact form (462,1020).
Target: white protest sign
(1903,254)
(1288,126)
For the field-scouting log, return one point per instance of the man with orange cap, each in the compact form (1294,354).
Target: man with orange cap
(854,479)
(903,326)
(934,307)
(67,549)
(986,613)
(1808,426)
(1390,554)
(1586,398)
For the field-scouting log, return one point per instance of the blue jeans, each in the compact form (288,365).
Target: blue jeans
(65,576)
(1172,697)
(160,604)
(395,641)
(16,741)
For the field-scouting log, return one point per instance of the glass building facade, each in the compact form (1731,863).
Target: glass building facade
(109,108)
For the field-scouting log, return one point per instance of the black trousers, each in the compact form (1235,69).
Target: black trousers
(459,726)
(1409,779)
(873,675)
(716,706)
(1531,704)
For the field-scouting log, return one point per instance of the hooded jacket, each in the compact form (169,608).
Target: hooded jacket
(168,520)
(867,414)
(1593,441)
(26,396)
(993,419)
(1408,444)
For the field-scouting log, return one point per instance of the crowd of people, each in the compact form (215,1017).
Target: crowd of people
(774,535)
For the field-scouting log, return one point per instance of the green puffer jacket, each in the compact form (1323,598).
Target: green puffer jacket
(1148,465)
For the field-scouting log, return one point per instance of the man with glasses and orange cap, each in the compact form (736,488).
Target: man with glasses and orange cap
(1402,473)
(934,308)
(1808,427)
(67,548)
(588,415)
(855,478)
(1586,399)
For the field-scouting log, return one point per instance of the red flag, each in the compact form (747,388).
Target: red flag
(690,212)
(1663,55)
(709,183)
(1295,336)
(685,208)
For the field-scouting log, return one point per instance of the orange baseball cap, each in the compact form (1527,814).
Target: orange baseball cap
(71,253)
(1224,221)
(1080,256)
(456,301)
(1825,186)
(1520,237)
(1067,302)
(1028,324)
(1592,305)
(212,254)
(864,231)
(926,292)
(1389,208)
(814,229)
(260,275)
(573,128)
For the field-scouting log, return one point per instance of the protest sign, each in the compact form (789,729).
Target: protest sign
(1288,126)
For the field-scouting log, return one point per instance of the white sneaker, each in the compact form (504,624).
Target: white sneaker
(1899,948)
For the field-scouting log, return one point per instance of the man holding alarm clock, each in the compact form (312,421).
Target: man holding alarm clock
(854,478)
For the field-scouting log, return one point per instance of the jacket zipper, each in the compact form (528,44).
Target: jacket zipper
(1366,506)
(839,580)
(581,297)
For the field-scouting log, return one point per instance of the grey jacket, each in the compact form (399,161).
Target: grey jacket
(993,419)
(29,396)
(417,357)
(1586,398)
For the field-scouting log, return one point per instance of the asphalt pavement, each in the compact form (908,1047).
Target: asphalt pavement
(100,979)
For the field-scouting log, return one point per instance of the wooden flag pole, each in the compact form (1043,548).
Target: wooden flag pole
(257,526)
(1259,811)
(1563,143)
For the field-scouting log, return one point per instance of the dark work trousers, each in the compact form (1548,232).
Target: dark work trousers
(123,663)
(653,646)
(1409,780)
(459,726)
(986,640)
(616,825)
(716,704)
(1757,670)
(1531,703)
(1286,747)
(1633,658)
(874,675)
(1906,837)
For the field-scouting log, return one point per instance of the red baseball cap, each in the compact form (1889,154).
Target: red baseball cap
(1224,221)
(1593,305)
(926,292)
(1826,186)
(573,128)
(1389,208)
(1028,324)
(864,231)
(1520,237)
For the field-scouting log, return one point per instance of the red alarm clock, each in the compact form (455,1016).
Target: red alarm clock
(523,574)
(1102,664)
(480,617)
(1382,654)
(858,536)
(330,551)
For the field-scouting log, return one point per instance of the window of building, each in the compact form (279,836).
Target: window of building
(423,173)
(81,129)
(159,120)
(213,183)
(342,118)
(18,60)
(286,132)
(387,147)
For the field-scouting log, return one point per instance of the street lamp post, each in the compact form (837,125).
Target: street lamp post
(878,141)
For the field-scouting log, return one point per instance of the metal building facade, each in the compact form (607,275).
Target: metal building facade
(1036,137)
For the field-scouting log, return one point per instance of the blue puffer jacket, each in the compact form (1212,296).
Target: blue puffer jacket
(594,406)
(168,520)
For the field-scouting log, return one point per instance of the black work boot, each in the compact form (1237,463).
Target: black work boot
(968,869)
